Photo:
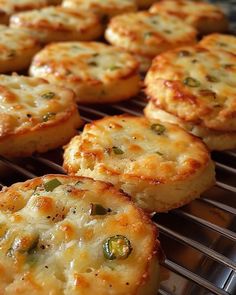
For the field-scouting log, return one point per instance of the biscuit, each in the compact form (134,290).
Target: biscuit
(35,116)
(215,140)
(205,17)
(56,23)
(74,235)
(9,7)
(97,73)
(16,49)
(219,41)
(147,35)
(103,8)
(197,86)
(159,165)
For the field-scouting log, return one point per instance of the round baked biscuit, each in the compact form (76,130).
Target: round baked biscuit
(196,85)
(16,49)
(97,73)
(104,8)
(145,3)
(73,235)
(56,23)
(215,140)
(159,165)
(9,7)
(205,17)
(35,116)
(147,35)
(220,42)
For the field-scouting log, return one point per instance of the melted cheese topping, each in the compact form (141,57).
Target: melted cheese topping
(190,11)
(51,243)
(55,18)
(197,85)
(148,34)
(13,43)
(30,102)
(134,147)
(12,6)
(219,41)
(83,62)
(107,7)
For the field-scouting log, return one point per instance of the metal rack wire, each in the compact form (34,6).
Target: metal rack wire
(198,239)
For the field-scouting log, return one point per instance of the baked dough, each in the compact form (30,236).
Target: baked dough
(35,116)
(16,49)
(57,233)
(97,73)
(9,7)
(159,165)
(145,3)
(219,41)
(56,23)
(147,35)
(205,17)
(198,86)
(104,8)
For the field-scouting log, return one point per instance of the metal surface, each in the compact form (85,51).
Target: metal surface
(199,240)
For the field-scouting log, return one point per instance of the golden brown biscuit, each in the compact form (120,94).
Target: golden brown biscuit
(219,41)
(159,165)
(103,8)
(16,49)
(9,7)
(35,116)
(97,73)
(144,3)
(197,86)
(74,235)
(205,17)
(146,35)
(56,23)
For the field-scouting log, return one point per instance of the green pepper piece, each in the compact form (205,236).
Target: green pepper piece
(97,209)
(117,150)
(48,95)
(159,129)
(116,247)
(48,116)
(51,184)
(191,82)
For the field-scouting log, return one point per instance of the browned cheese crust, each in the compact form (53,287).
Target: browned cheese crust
(35,116)
(53,231)
(160,165)
(206,18)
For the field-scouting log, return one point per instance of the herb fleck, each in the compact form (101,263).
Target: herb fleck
(48,95)
(191,82)
(51,184)
(48,116)
(159,129)
(117,150)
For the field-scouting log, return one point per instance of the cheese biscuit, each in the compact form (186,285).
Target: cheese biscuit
(73,235)
(97,73)
(56,23)
(35,116)
(205,17)
(159,165)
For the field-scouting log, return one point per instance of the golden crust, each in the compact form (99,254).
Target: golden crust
(97,73)
(147,34)
(9,7)
(160,171)
(56,23)
(72,262)
(102,7)
(196,85)
(206,18)
(219,41)
(16,49)
(215,140)
(32,112)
